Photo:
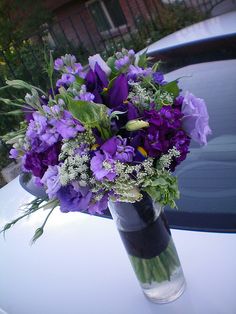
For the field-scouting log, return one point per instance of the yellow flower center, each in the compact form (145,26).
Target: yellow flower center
(142,151)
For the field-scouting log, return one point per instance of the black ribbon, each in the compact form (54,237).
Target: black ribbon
(148,242)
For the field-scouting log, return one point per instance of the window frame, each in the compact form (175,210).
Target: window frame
(113,29)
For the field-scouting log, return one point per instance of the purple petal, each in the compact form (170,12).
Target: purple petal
(119,91)
(110,146)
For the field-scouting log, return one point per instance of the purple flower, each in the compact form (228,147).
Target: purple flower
(122,62)
(33,163)
(67,126)
(14,153)
(119,91)
(51,136)
(51,179)
(97,60)
(131,53)
(66,79)
(72,199)
(98,168)
(76,69)
(195,120)
(158,78)
(164,133)
(135,72)
(96,81)
(84,95)
(58,64)
(37,126)
(116,148)
(99,206)
(38,162)
(178,101)
(50,156)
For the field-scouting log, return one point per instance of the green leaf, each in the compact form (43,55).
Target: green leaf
(12,113)
(142,61)
(19,84)
(91,115)
(111,63)
(171,88)
(9,102)
(79,81)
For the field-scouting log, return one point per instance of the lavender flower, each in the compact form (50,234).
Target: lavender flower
(67,126)
(51,179)
(99,206)
(135,72)
(66,79)
(14,153)
(84,95)
(122,62)
(195,120)
(158,78)
(72,199)
(58,64)
(76,69)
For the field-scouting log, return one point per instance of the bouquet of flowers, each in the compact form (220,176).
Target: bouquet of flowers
(108,131)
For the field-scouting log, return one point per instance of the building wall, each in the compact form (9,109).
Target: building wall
(75,23)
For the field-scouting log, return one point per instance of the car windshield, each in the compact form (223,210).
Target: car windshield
(207,178)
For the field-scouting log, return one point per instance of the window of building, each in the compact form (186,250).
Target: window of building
(107,14)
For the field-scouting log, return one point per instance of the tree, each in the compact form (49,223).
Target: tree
(19,19)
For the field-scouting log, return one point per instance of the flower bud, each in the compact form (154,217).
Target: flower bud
(134,125)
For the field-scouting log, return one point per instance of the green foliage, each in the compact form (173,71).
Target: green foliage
(19,19)
(163,189)
(171,88)
(91,115)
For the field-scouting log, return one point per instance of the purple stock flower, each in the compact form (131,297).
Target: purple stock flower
(51,179)
(158,78)
(66,79)
(76,69)
(33,163)
(135,72)
(67,126)
(122,62)
(195,120)
(74,199)
(164,133)
(58,64)
(37,163)
(14,153)
(84,95)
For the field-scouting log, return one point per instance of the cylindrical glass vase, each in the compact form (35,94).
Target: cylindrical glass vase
(146,236)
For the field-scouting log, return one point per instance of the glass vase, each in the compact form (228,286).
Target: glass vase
(147,238)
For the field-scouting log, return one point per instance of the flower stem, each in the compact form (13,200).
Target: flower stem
(157,269)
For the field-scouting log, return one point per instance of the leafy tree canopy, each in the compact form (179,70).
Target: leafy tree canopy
(20,19)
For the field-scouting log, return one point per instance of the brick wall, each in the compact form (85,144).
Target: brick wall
(75,23)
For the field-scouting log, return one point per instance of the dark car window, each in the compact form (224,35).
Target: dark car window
(207,178)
